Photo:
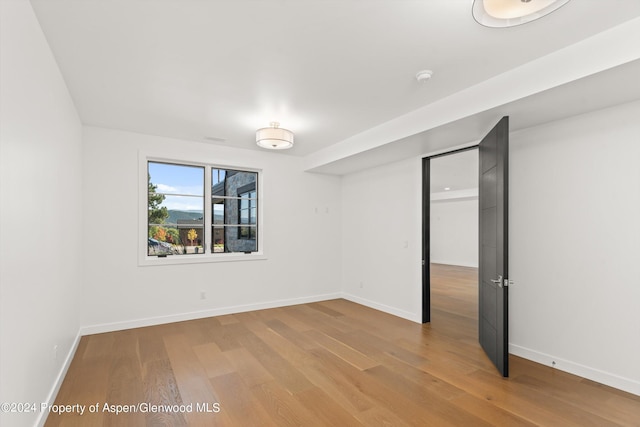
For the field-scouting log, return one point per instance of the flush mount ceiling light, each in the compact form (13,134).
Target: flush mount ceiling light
(509,13)
(274,137)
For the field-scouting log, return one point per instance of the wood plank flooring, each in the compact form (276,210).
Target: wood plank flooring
(332,363)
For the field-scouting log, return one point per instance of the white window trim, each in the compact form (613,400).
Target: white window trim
(146,260)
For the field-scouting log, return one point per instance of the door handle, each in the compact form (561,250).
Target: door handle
(498,281)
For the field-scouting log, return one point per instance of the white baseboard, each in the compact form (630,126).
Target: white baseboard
(42,418)
(583,371)
(381,307)
(159,320)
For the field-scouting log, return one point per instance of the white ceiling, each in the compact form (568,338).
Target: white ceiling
(335,72)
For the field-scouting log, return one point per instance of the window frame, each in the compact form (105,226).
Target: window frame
(208,256)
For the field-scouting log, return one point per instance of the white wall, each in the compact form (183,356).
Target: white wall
(302,245)
(575,245)
(381,239)
(574,257)
(40,214)
(454,232)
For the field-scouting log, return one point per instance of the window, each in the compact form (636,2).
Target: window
(230,192)
(180,221)
(175,209)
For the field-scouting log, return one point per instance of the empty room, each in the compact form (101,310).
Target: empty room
(228,213)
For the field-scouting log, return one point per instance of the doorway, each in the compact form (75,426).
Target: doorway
(493,238)
(450,227)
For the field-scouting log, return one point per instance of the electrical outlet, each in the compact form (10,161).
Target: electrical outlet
(55,353)
(203,295)
(361,285)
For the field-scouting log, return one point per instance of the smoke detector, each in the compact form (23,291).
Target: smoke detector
(424,75)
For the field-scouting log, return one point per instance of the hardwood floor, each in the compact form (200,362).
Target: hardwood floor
(332,363)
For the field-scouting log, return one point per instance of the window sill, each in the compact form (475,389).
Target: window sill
(146,261)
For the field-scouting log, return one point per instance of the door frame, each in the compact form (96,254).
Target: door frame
(426,228)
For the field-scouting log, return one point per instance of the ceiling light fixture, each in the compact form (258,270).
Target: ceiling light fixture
(509,13)
(274,137)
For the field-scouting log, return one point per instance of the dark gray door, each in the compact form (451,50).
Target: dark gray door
(494,267)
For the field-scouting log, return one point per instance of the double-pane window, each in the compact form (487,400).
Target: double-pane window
(182,222)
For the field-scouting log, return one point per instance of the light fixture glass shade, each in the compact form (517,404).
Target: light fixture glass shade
(274,137)
(509,13)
